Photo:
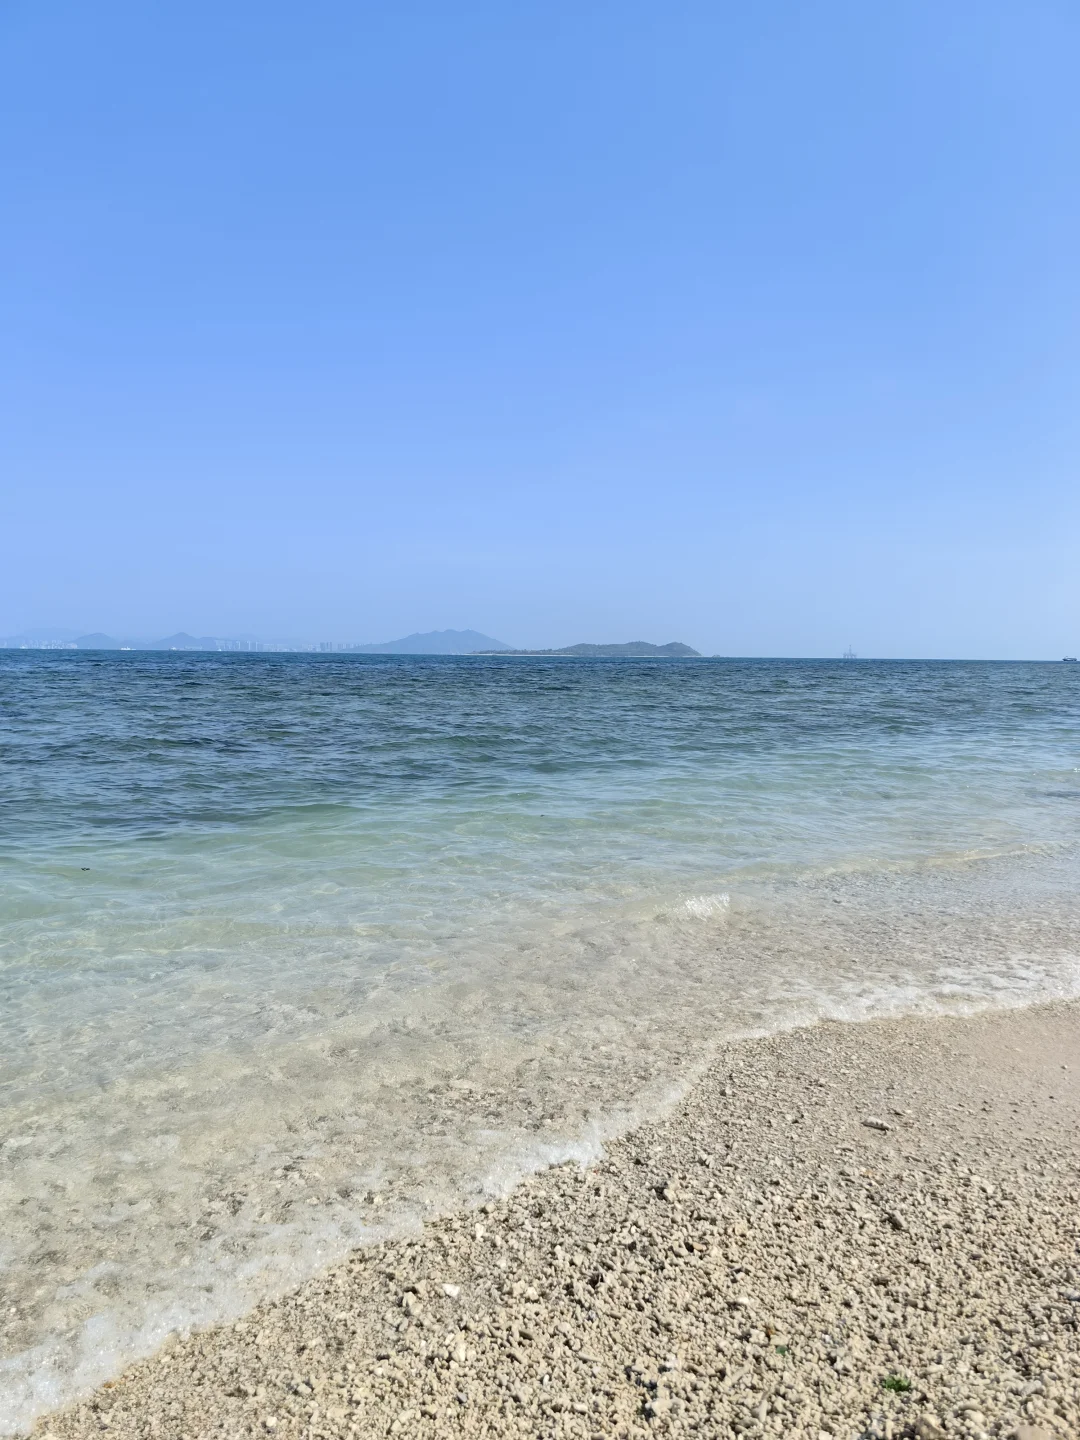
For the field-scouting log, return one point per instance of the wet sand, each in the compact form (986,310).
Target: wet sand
(848,1230)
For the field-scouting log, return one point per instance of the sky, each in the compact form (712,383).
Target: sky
(751,326)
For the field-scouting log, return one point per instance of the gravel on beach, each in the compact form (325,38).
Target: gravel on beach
(842,1231)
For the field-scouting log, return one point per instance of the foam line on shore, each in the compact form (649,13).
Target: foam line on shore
(760,1212)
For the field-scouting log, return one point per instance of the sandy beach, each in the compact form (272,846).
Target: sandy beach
(845,1230)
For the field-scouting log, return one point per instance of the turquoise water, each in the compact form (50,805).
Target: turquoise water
(296,949)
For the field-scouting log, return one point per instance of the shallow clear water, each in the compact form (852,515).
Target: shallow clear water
(294,950)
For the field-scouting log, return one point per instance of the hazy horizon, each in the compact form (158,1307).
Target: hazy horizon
(68,635)
(753,328)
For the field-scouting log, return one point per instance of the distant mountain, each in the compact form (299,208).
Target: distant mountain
(437,642)
(434,642)
(633,649)
(97,641)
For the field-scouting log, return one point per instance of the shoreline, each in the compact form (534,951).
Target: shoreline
(760,1260)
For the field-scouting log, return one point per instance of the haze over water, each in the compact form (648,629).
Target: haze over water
(295,949)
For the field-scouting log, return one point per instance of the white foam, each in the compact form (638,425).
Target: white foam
(441,1096)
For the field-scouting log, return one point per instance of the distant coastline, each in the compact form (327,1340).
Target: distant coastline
(430,642)
(632,649)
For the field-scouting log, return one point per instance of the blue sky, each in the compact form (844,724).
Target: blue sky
(754,326)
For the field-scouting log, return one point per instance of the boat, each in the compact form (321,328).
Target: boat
(1068,659)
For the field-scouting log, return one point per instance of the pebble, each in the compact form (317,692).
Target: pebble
(787,1289)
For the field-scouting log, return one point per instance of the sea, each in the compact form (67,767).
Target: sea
(299,950)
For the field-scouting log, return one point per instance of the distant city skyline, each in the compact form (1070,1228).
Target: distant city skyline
(60,638)
(756,326)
